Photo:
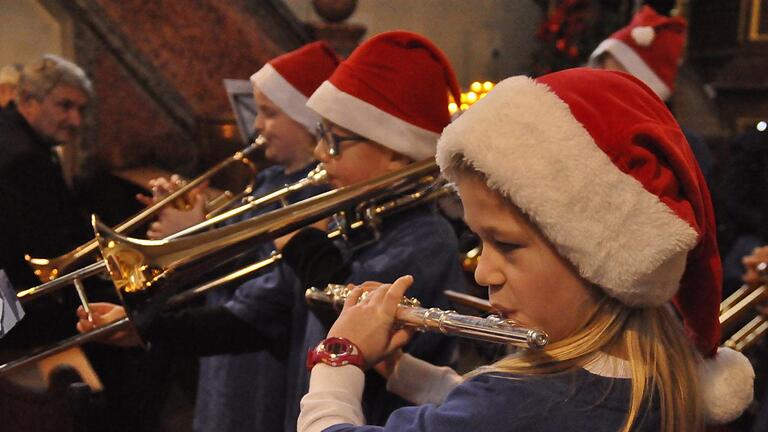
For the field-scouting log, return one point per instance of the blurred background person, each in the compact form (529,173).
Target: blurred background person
(9,81)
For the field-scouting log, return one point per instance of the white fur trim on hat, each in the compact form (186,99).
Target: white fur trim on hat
(373,123)
(726,382)
(633,63)
(523,137)
(285,96)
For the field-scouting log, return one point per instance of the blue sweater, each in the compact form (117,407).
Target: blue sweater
(419,242)
(244,392)
(575,401)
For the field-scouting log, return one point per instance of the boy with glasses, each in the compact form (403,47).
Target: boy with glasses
(383,108)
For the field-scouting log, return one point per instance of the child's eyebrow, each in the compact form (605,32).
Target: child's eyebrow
(499,231)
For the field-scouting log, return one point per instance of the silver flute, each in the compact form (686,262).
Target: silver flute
(410,314)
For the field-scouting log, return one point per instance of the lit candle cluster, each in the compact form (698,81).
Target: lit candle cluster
(477,91)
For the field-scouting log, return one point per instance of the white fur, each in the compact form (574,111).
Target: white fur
(643,35)
(283,94)
(617,234)
(727,385)
(362,118)
(633,63)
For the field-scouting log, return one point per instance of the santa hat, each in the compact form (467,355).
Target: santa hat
(609,179)
(650,48)
(393,89)
(290,79)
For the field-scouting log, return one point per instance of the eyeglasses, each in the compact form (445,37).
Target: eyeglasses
(333,141)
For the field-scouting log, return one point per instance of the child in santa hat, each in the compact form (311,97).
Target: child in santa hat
(650,47)
(281,89)
(382,109)
(243,391)
(597,228)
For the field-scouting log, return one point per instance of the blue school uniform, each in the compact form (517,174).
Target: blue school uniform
(417,241)
(245,392)
(573,401)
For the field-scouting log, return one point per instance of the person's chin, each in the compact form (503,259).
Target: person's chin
(64,138)
(270,155)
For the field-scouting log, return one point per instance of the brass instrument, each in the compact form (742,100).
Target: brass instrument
(471,258)
(740,304)
(411,314)
(49,269)
(315,177)
(150,275)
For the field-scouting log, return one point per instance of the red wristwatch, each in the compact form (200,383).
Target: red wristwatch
(335,352)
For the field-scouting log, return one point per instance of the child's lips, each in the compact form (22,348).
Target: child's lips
(503,312)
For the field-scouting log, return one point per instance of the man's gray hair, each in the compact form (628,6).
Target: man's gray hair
(40,77)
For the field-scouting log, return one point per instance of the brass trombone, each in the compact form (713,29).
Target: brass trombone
(49,269)
(740,304)
(315,177)
(151,275)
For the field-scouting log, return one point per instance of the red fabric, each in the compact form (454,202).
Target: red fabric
(293,66)
(403,74)
(644,141)
(664,53)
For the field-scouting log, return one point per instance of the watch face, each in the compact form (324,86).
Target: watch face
(337,347)
(335,352)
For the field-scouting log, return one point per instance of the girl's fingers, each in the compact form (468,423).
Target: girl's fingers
(353,297)
(397,290)
(376,295)
(400,338)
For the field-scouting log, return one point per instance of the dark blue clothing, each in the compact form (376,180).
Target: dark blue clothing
(574,401)
(419,242)
(702,153)
(746,204)
(245,392)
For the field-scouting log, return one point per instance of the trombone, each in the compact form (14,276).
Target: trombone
(49,269)
(738,305)
(151,275)
(315,177)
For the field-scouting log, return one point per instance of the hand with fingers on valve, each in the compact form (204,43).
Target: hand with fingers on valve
(368,321)
(756,273)
(183,213)
(103,314)
(752,274)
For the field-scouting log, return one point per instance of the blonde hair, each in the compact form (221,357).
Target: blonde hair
(659,354)
(661,357)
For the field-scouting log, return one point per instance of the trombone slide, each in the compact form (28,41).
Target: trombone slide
(49,269)
(150,275)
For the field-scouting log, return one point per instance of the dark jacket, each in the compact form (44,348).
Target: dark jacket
(38,216)
(38,213)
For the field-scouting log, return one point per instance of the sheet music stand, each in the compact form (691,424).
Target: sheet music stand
(240,95)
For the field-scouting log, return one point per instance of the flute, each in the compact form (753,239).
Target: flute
(410,314)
